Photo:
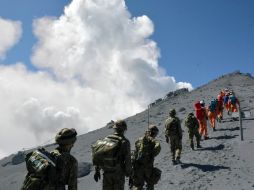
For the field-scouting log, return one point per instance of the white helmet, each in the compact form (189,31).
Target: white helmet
(202,102)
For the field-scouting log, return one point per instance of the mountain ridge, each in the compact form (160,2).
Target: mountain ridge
(223,156)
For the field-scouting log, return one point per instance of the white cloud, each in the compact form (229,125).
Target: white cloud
(96,63)
(10,34)
(2,154)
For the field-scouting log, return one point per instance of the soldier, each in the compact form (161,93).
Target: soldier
(173,134)
(114,176)
(65,167)
(192,124)
(146,149)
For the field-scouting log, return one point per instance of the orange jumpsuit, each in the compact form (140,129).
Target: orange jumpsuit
(233,107)
(203,125)
(220,106)
(212,118)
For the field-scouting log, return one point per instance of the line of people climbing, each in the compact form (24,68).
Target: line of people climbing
(112,154)
(226,99)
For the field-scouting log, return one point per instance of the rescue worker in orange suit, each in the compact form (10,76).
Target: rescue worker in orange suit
(211,112)
(220,105)
(202,118)
(233,102)
(226,102)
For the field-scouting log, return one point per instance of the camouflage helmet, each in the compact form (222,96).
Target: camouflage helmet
(153,128)
(66,136)
(172,112)
(120,125)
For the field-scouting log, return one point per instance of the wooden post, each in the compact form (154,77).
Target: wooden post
(148,116)
(240,123)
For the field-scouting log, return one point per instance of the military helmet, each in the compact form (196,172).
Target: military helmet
(172,112)
(66,136)
(120,125)
(191,114)
(153,128)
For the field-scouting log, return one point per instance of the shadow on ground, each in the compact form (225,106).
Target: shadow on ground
(205,167)
(219,147)
(224,137)
(229,129)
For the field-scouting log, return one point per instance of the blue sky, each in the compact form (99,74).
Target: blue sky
(199,40)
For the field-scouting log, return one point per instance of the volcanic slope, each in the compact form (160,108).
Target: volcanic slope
(224,163)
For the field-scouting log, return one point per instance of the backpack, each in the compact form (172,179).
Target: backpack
(232,100)
(156,175)
(105,152)
(143,147)
(212,106)
(191,122)
(171,127)
(41,167)
(226,98)
(199,111)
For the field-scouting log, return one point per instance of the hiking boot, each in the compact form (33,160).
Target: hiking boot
(178,161)
(214,129)
(192,146)
(174,162)
(198,146)
(206,138)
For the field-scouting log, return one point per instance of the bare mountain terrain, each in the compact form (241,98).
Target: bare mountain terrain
(224,163)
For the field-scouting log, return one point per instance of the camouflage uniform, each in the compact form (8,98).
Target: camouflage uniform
(192,124)
(173,134)
(67,165)
(65,170)
(114,179)
(143,168)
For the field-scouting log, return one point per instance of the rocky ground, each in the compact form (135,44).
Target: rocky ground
(224,162)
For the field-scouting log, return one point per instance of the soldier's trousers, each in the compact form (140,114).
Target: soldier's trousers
(193,133)
(113,181)
(176,147)
(142,174)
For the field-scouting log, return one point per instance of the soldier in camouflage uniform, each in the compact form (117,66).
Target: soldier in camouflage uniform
(192,124)
(65,170)
(146,149)
(173,134)
(114,179)
(67,165)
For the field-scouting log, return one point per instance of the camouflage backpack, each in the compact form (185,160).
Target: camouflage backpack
(143,149)
(171,127)
(156,175)
(41,167)
(191,122)
(105,152)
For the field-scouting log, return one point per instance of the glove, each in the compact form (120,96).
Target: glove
(97,176)
(167,140)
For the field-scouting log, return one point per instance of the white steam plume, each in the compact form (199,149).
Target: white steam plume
(95,62)
(10,34)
